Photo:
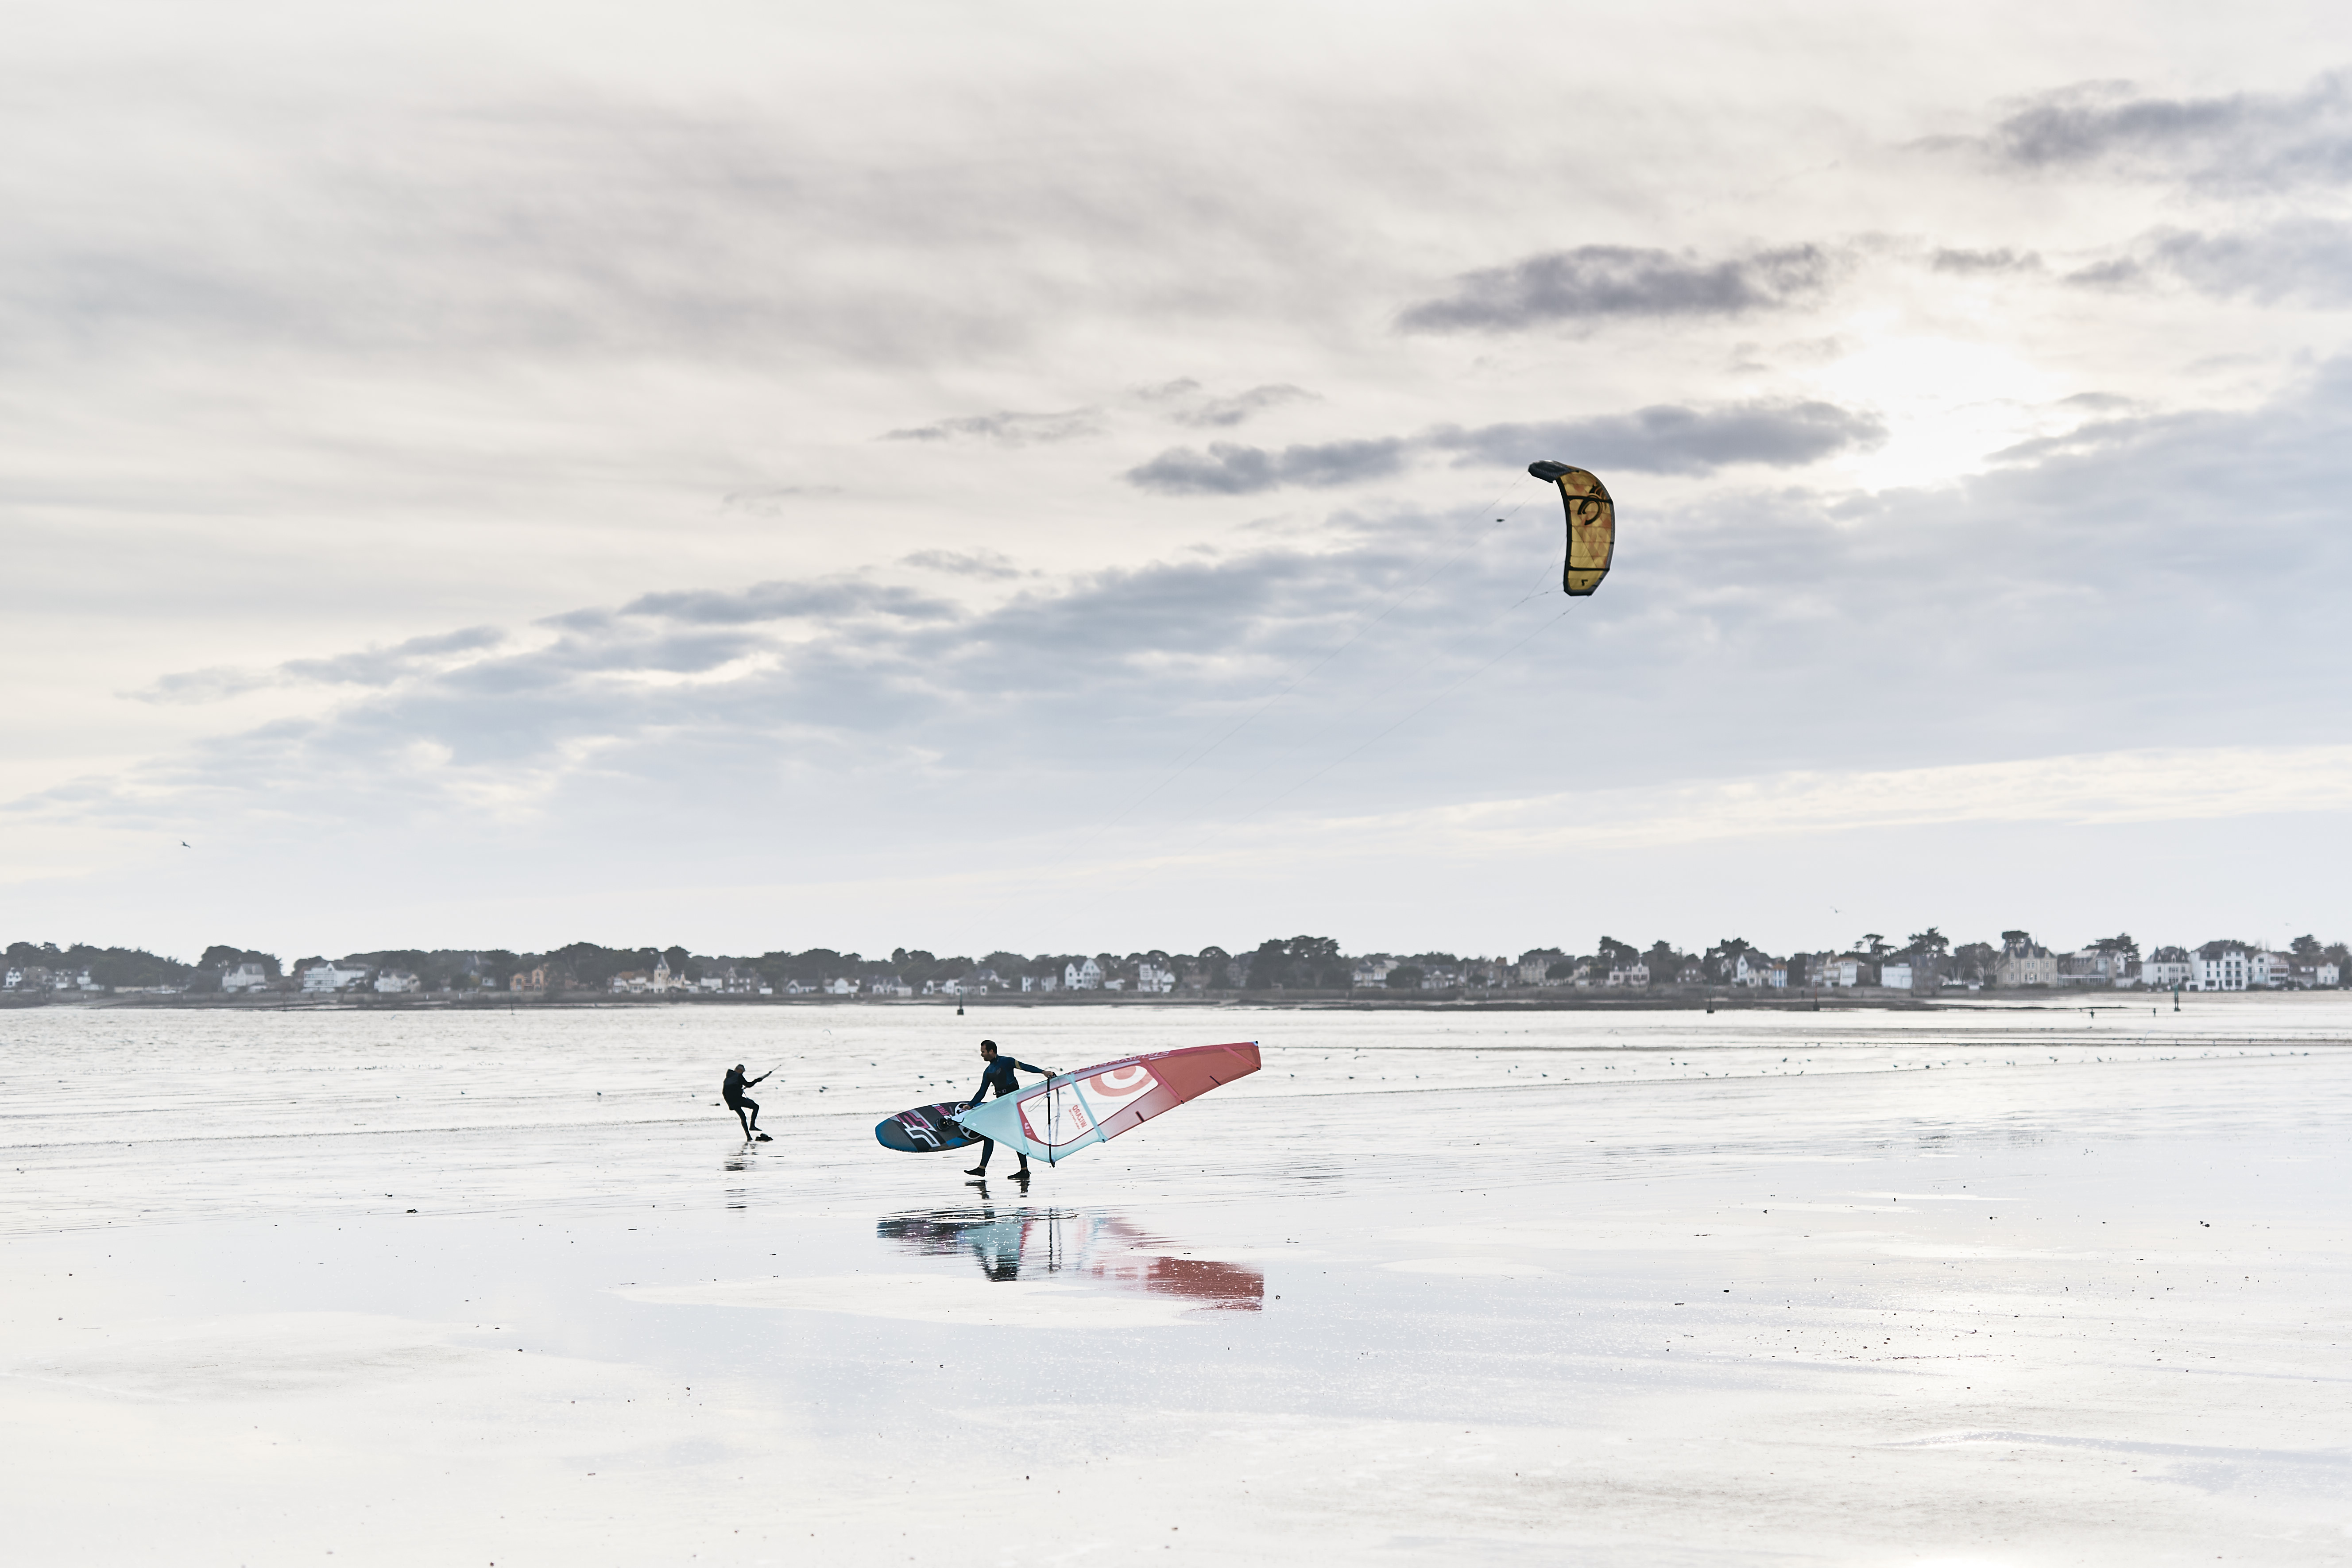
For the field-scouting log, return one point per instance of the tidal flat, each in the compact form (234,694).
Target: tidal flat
(1985,1285)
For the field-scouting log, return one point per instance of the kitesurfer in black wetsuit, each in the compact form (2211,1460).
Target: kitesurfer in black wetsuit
(999,1074)
(732,1090)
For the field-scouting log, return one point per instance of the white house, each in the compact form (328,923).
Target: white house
(1154,979)
(246,976)
(1372,969)
(389,982)
(841,985)
(2221,966)
(889,985)
(1895,976)
(1846,971)
(2166,968)
(1086,976)
(1040,982)
(1635,973)
(328,977)
(632,981)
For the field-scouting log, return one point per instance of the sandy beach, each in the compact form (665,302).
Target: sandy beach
(1985,1286)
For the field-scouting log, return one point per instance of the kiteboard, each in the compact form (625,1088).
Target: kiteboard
(1054,1119)
(924,1130)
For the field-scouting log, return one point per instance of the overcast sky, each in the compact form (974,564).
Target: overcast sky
(756,476)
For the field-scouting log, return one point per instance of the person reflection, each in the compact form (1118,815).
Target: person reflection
(1037,1244)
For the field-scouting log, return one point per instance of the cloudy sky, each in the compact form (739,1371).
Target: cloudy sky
(1053,476)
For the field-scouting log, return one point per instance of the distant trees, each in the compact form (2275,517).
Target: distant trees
(219,959)
(127,967)
(1302,962)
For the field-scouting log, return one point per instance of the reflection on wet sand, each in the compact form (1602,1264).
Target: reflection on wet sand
(1039,1244)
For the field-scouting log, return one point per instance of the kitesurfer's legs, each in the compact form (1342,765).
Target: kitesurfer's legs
(752,1122)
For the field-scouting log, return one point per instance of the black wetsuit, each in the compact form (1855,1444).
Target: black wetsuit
(999,1076)
(732,1091)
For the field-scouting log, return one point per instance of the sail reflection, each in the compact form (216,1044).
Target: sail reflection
(1070,1244)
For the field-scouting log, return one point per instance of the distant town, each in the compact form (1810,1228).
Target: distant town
(1924,965)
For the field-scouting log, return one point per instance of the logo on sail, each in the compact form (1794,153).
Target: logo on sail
(1053,1117)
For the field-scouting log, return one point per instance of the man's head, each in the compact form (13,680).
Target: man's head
(738,1066)
(988,1050)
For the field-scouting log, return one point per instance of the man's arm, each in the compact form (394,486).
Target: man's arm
(1025,1067)
(762,1078)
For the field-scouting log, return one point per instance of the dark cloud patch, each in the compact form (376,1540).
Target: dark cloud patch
(1228,468)
(1600,283)
(1969,263)
(1668,439)
(2250,139)
(1007,428)
(1222,413)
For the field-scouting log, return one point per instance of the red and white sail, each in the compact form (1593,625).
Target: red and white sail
(1095,1104)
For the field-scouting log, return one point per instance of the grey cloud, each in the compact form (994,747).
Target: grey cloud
(1597,282)
(836,598)
(1662,439)
(367,667)
(2305,261)
(1221,413)
(1007,428)
(1968,262)
(2247,140)
(2121,272)
(1227,468)
(1671,439)
(963,563)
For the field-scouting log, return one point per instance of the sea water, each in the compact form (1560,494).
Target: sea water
(1985,1284)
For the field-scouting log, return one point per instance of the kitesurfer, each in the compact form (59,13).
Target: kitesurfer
(999,1073)
(732,1090)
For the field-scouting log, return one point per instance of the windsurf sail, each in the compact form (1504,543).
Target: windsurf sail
(1052,1120)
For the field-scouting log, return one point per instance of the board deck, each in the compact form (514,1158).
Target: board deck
(924,1130)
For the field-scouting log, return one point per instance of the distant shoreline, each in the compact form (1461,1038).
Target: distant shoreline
(1870,1000)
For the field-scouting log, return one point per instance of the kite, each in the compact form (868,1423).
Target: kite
(1591,526)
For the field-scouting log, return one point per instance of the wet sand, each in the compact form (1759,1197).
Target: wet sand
(1990,1287)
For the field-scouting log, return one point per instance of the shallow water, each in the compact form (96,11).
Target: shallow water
(1989,1285)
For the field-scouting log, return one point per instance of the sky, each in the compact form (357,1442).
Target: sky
(1052,477)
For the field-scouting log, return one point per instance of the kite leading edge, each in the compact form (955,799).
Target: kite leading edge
(1592,525)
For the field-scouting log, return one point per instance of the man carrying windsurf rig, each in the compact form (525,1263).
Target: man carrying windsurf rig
(1000,1072)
